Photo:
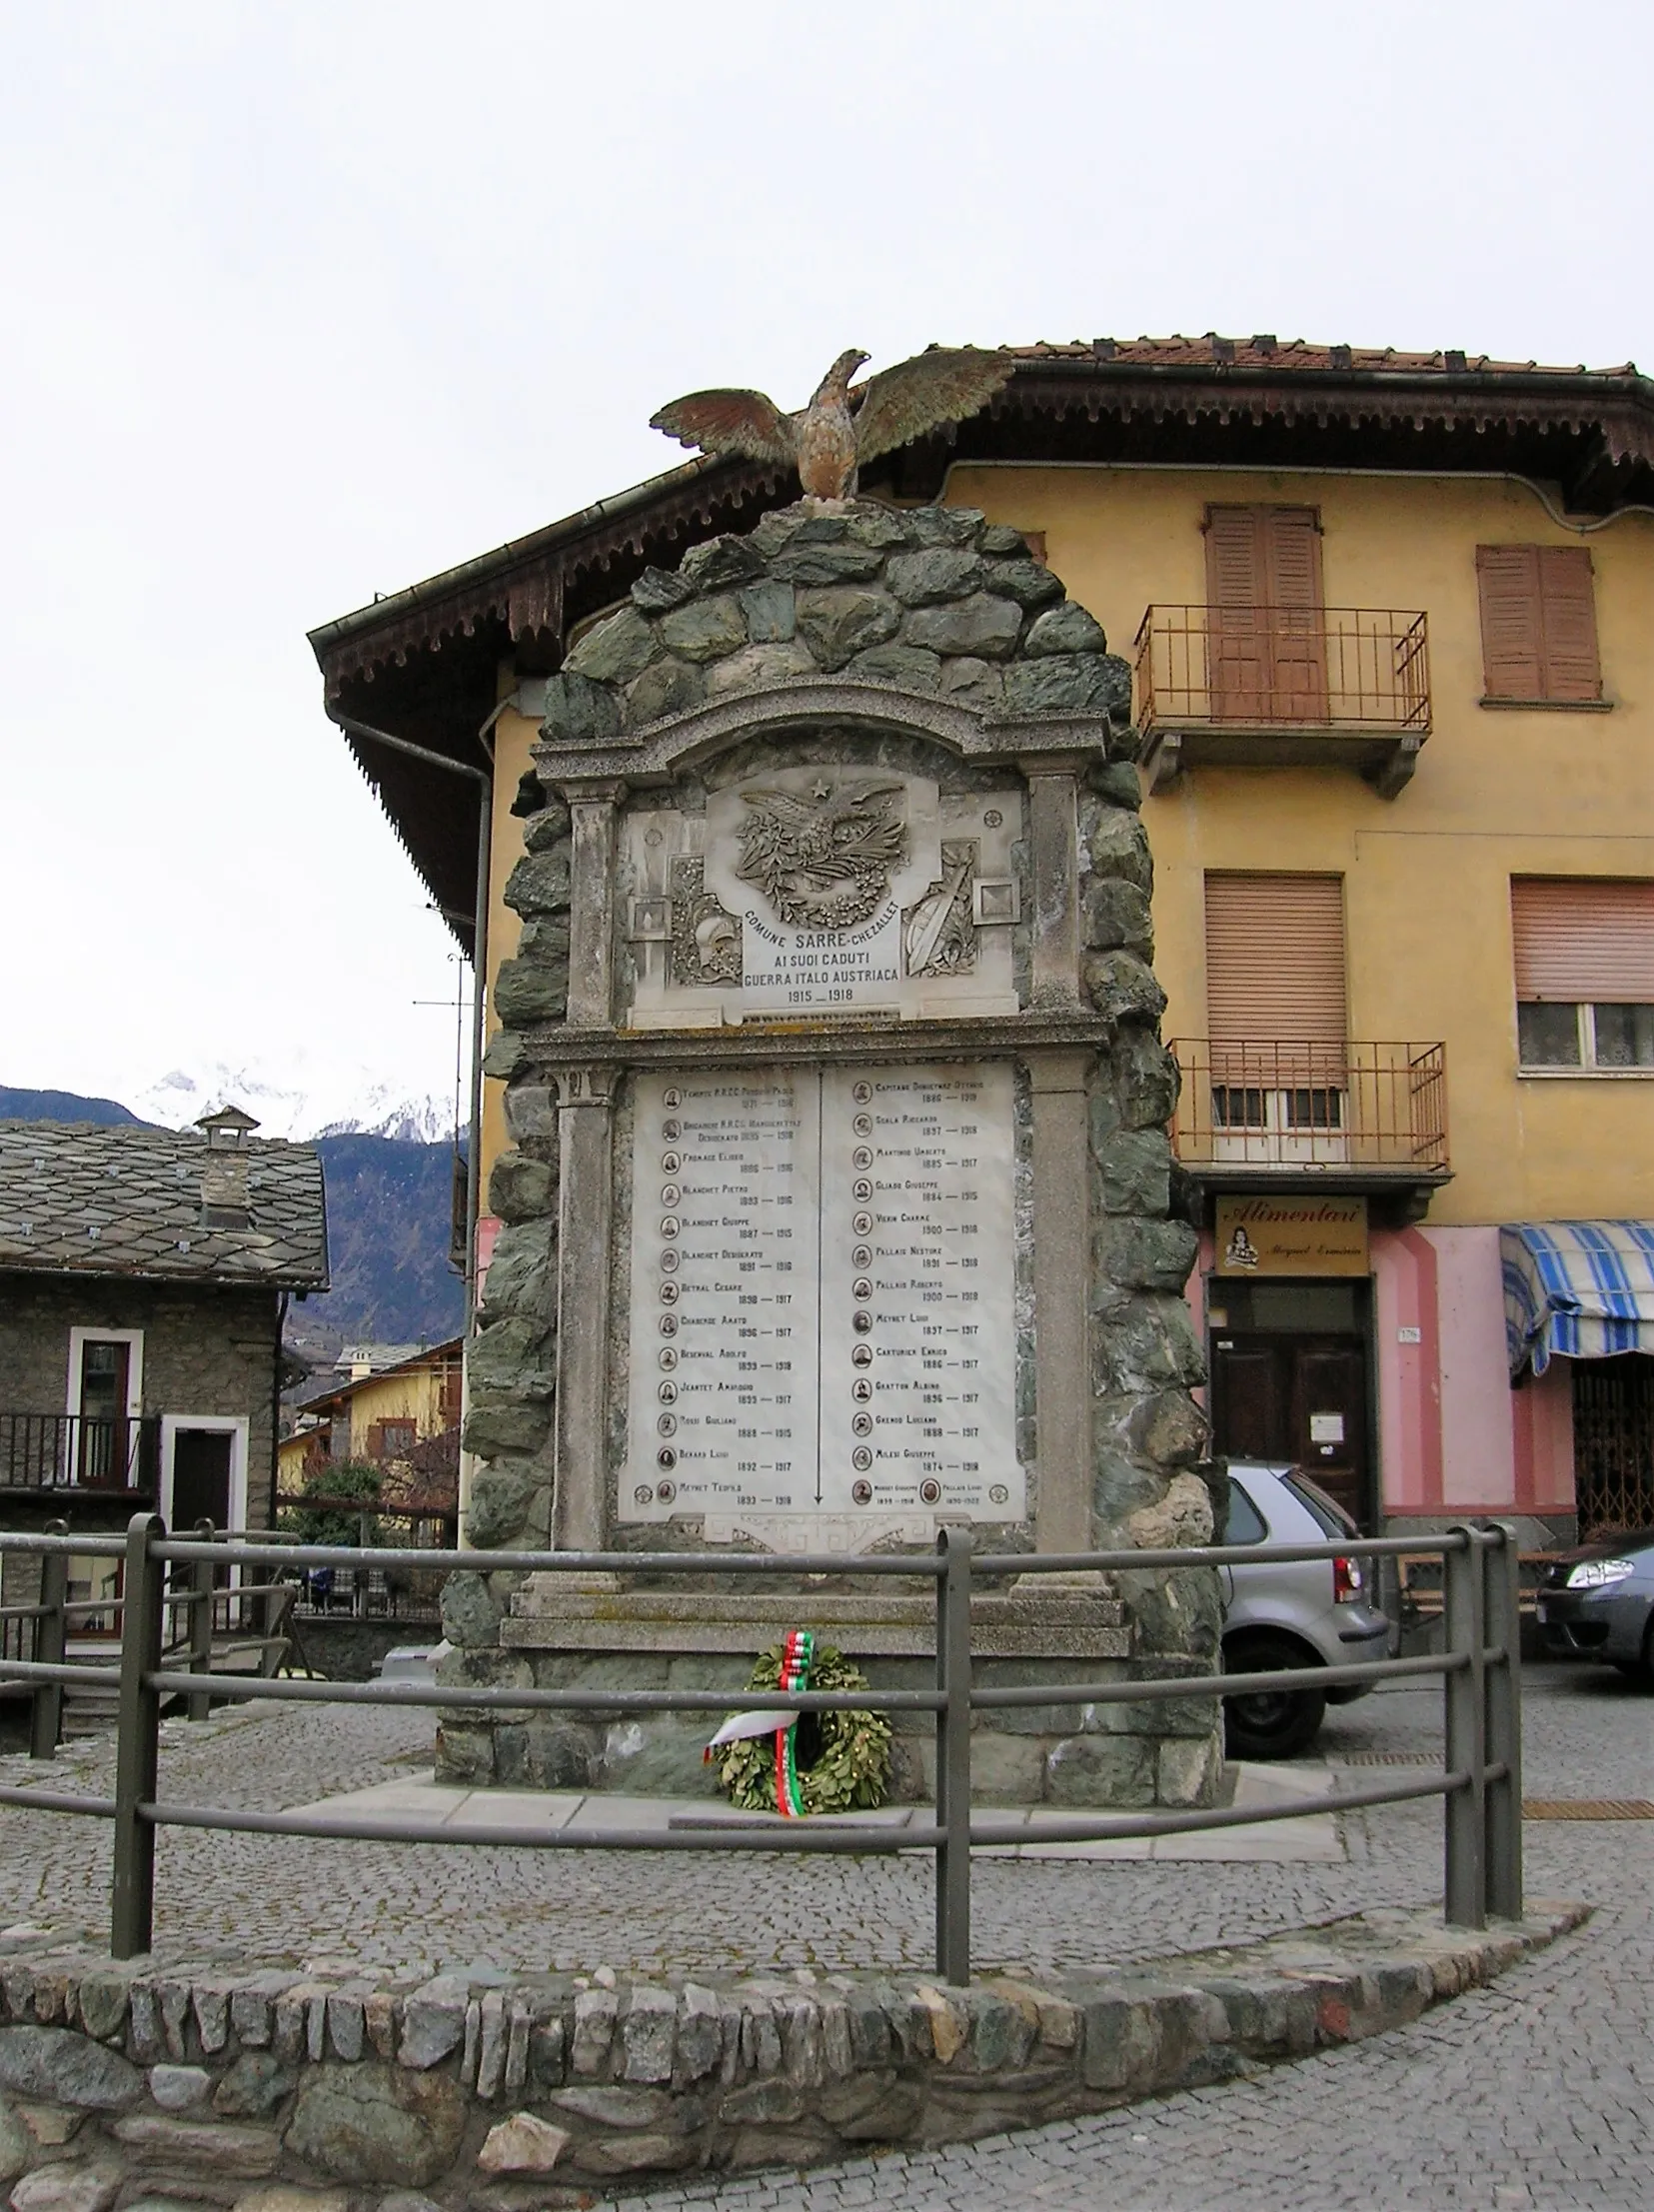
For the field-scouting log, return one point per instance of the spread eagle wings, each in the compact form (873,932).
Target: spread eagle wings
(945,385)
(781,805)
(729,422)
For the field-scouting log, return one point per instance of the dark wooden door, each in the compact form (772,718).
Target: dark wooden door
(1301,1400)
(104,1380)
(200,1478)
(1329,1421)
(1250,1400)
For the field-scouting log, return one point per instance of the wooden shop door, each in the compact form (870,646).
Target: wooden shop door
(1301,1400)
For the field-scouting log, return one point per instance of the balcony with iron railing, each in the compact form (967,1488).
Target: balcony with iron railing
(80,1451)
(1283,687)
(1355,1115)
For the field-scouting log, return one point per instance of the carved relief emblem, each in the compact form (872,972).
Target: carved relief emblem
(705,938)
(824,859)
(939,935)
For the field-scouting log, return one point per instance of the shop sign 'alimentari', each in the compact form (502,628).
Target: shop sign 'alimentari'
(1292,1236)
(822,1265)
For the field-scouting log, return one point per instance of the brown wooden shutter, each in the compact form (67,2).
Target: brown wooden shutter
(1292,557)
(1292,539)
(1513,632)
(1275,976)
(1572,668)
(1539,622)
(1263,586)
(1583,939)
(1234,557)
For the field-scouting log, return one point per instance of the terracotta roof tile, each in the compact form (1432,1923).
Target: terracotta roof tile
(1265,352)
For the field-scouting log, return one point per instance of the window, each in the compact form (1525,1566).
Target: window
(392,1439)
(1275,997)
(1245,1523)
(1539,626)
(1584,953)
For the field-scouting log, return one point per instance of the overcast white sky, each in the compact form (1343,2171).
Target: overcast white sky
(303,302)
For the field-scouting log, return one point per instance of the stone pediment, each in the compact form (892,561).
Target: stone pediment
(654,751)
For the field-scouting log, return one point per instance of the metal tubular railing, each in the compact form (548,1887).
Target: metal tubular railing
(80,1451)
(1311,1103)
(1309,668)
(1479,1785)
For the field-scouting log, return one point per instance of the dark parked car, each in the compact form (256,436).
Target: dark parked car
(1598,1603)
(1312,1612)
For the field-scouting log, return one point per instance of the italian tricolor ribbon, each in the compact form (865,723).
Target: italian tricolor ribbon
(798,1655)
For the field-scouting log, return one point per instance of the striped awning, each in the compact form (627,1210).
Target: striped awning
(1581,1289)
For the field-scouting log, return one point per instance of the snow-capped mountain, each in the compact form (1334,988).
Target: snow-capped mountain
(304,1099)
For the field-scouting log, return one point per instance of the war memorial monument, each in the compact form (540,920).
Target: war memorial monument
(837,1202)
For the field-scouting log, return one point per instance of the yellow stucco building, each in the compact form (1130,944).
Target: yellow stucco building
(379,1414)
(1394,690)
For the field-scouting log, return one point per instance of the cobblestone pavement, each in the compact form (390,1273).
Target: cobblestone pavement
(1535,2093)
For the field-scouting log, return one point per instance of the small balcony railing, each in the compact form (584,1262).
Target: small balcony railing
(1283,686)
(80,1451)
(1311,1105)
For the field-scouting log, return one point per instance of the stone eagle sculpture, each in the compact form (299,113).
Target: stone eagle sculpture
(826,441)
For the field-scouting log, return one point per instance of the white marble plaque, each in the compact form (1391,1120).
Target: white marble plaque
(725,1263)
(811,892)
(918,1329)
(822,1315)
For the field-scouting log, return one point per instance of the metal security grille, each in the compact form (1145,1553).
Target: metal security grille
(1614,1443)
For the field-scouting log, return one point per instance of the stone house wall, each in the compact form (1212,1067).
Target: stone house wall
(207,1350)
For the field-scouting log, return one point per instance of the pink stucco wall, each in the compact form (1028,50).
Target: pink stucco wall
(1477,1442)
(1543,1423)
(1453,1438)
(1405,1298)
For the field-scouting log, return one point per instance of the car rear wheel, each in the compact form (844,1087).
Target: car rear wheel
(1641,1670)
(1269,1724)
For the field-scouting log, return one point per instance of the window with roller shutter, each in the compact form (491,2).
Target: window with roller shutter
(1276,995)
(1539,626)
(1584,959)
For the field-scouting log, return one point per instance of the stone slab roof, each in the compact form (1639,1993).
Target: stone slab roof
(86,1201)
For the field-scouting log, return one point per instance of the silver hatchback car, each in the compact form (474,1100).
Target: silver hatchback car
(1314,1612)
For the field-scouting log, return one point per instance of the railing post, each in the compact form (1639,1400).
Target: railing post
(137,1757)
(51,1645)
(1502,1726)
(201,1624)
(1465,1809)
(953,1758)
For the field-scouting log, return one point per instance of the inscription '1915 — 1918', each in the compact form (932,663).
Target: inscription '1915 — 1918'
(823,1293)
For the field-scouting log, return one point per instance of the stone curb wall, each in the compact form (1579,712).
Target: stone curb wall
(272,2090)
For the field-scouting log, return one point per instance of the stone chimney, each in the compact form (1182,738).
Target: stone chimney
(225,1203)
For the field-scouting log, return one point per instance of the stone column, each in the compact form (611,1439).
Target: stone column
(1062,1272)
(579,1432)
(1054,848)
(593,806)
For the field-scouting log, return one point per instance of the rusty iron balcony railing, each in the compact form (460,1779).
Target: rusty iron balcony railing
(1282,687)
(1312,1106)
(80,1451)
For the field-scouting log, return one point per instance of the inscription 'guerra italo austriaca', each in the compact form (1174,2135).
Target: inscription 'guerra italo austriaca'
(786,967)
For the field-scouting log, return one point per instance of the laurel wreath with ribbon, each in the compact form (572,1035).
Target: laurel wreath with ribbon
(802,1763)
